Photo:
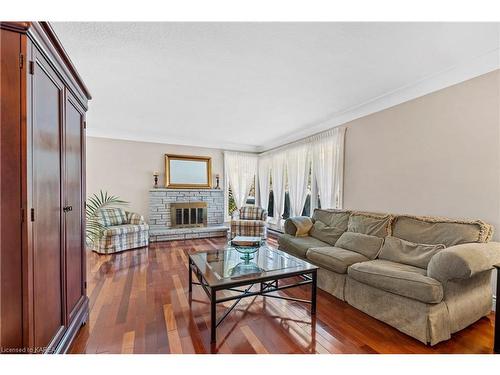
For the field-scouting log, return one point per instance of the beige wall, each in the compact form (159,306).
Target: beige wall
(125,168)
(436,155)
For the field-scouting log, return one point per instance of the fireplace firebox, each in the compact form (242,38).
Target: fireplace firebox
(188,214)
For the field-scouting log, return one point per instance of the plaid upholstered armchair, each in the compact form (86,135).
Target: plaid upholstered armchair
(249,221)
(123,230)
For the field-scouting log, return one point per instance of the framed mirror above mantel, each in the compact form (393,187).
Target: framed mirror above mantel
(188,172)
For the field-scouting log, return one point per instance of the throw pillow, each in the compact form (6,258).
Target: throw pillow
(325,233)
(410,253)
(332,217)
(363,244)
(372,224)
(112,216)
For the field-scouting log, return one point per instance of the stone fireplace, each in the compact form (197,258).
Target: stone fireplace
(179,214)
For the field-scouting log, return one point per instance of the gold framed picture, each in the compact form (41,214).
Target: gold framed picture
(188,172)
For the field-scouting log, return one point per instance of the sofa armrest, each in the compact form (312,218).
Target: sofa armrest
(464,261)
(135,218)
(290,223)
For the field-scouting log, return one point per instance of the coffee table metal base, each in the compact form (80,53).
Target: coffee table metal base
(267,286)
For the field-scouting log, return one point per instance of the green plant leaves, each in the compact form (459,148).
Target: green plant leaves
(97,201)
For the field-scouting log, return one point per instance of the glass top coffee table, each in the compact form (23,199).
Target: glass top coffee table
(238,270)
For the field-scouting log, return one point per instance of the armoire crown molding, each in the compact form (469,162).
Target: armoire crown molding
(43,34)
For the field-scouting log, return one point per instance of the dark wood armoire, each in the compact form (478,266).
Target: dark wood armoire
(43,299)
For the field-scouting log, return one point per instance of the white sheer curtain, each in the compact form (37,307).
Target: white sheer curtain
(278,176)
(328,166)
(298,164)
(241,169)
(264,173)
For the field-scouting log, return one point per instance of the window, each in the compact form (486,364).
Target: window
(251,194)
(307,210)
(270,206)
(231,206)
(308,205)
(286,211)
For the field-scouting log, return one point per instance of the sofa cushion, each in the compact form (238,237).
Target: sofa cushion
(325,233)
(370,223)
(364,244)
(247,223)
(435,230)
(298,246)
(332,218)
(406,252)
(112,216)
(397,278)
(334,258)
(124,229)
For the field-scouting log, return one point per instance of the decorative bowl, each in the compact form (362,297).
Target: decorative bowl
(246,251)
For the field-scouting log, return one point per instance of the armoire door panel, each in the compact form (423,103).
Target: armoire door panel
(73,197)
(47,94)
(10,191)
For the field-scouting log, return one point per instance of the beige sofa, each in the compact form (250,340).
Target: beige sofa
(426,276)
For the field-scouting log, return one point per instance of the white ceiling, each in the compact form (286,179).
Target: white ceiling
(253,86)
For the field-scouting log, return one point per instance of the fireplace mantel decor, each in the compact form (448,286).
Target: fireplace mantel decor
(188,172)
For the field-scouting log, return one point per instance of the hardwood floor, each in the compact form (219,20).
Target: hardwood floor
(139,304)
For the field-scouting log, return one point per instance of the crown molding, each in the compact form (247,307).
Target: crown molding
(176,141)
(446,78)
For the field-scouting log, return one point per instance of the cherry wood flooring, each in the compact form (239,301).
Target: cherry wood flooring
(139,304)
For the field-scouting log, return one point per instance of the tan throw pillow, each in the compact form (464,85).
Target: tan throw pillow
(410,253)
(302,224)
(332,217)
(363,244)
(324,233)
(367,223)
